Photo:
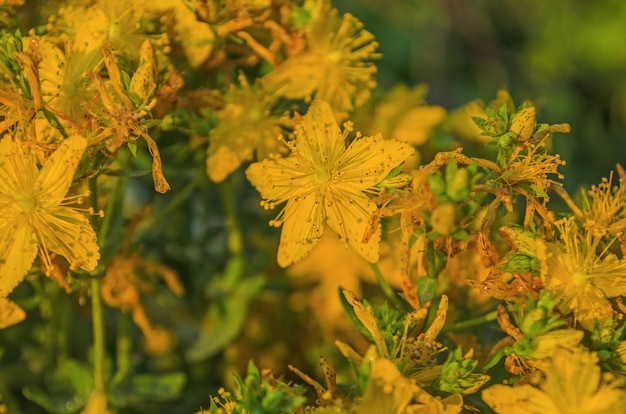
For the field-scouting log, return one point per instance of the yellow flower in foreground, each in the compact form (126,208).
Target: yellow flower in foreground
(573,384)
(35,213)
(325,182)
(578,276)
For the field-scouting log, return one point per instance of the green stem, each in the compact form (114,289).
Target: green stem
(114,201)
(123,348)
(235,238)
(97,317)
(491,316)
(391,295)
(97,313)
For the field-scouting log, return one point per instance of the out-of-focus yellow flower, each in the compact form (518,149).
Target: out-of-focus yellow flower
(605,209)
(121,288)
(334,67)
(89,26)
(578,277)
(401,114)
(246,128)
(35,213)
(461,122)
(65,84)
(324,182)
(574,383)
(332,266)
(387,390)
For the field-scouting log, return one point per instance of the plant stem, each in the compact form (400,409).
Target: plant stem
(491,316)
(123,348)
(391,295)
(235,238)
(97,313)
(97,317)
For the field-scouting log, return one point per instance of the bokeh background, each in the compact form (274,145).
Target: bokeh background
(566,56)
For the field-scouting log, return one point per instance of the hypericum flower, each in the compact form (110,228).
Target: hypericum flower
(35,213)
(324,182)
(114,21)
(65,84)
(246,128)
(574,383)
(334,66)
(579,276)
(605,209)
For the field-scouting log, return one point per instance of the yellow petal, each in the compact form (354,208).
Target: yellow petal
(221,163)
(302,229)
(523,399)
(18,247)
(10,313)
(18,244)
(318,135)
(279,180)
(387,390)
(368,160)
(67,232)
(57,173)
(348,214)
(416,125)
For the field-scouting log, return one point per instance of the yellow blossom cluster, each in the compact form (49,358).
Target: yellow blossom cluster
(144,149)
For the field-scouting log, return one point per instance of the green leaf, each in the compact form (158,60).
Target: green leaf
(426,289)
(80,376)
(224,318)
(143,388)
(59,403)
(159,387)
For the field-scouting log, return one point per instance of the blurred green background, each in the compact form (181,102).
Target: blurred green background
(566,56)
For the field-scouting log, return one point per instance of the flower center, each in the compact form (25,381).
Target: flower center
(322,176)
(255,114)
(27,203)
(580,278)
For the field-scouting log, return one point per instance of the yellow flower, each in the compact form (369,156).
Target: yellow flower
(35,213)
(578,277)
(65,84)
(334,66)
(574,383)
(245,128)
(387,390)
(126,278)
(324,182)
(605,208)
(114,21)
(322,266)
